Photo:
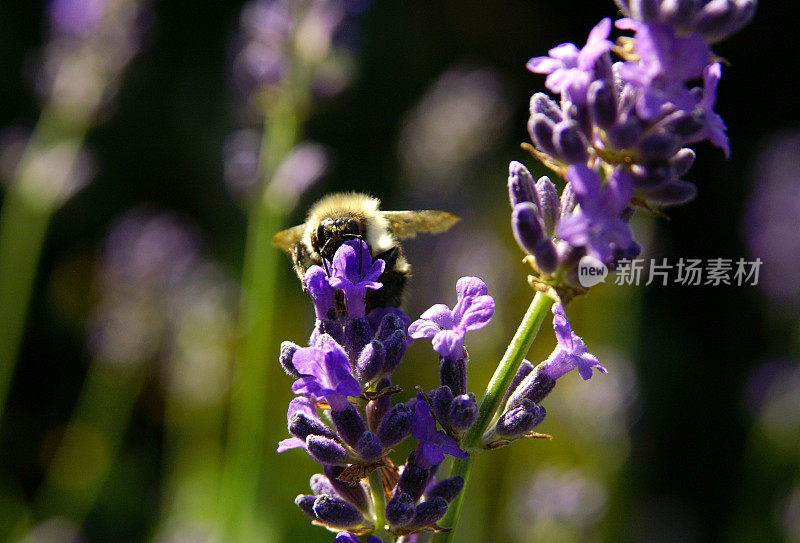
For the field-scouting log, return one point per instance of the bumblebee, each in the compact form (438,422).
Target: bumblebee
(339,217)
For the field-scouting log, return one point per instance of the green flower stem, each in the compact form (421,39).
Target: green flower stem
(490,403)
(379,501)
(88,449)
(34,194)
(247,447)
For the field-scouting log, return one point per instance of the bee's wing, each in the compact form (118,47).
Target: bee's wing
(407,224)
(285,239)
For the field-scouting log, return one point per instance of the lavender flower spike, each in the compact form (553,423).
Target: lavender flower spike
(433,443)
(326,374)
(571,351)
(354,272)
(447,327)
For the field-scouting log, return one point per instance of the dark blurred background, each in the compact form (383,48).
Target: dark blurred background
(684,453)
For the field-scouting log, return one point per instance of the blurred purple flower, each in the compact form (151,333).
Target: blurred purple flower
(769,225)
(433,443)
(326,374)
(353,273)
(447,327)
(76,17)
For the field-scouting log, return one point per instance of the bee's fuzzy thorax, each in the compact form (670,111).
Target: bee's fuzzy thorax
(359,206)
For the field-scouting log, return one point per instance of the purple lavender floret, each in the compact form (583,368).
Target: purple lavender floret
(571,351)
(326,374)
(570,70)
(447,327)
(433,443)
(353,273)
(319,288)
(599,225)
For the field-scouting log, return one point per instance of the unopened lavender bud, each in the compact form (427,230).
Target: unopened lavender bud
(578,113)
(369,447)
(651,176)
(327,451)
(658,146)
(429,512)
(463,411)
(675,192)
(521,187)
(329,326)
(320,484)
(541,103)
(520,420)
(602,103)
(625,134)
(682,161)
(349,424)
(377,408)
(525,368)
(453,373)
(548,202)
(355,493)
(414,478)
(400,510)
(396,425)
(568,201)
(447,489)
(442,397)
(683,124)
(721,18)
(389,325)
(570,143)
(546,256)
(285,358)
(541,129)
(395,347)
(357,333)
(306,504)
(337,513)
(534,387)
(527,226)
(302,426)
(370,362)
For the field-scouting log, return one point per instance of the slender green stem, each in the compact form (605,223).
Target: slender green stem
(89,447)
(247,431)
(379,501)
(492,399)
(34,194)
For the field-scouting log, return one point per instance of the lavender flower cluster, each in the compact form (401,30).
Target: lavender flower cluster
(620,134)
(345,372)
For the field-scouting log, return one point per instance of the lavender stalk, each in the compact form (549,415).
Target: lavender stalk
(492,398)
(95,45)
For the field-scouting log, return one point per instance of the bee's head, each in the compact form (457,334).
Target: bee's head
(332,232)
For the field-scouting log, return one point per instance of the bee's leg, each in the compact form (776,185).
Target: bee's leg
(389,256)
(301,261)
